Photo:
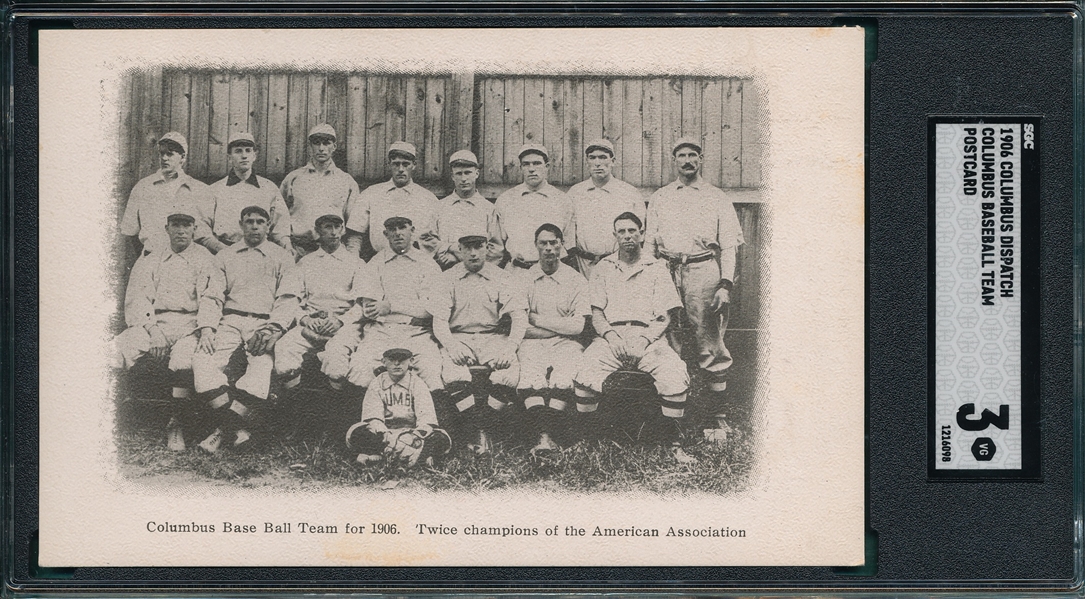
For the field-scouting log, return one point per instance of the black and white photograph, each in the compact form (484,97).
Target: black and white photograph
(364,297)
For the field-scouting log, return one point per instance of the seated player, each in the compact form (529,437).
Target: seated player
(391,293)
(163,311)
(325,278)
(468,302)
(631,296)
(558,306)
(252,287)
(398,418)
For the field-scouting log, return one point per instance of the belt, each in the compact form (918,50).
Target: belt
(518,263)
(629,323)
(157,311)
(397,319)
(243,313)
(590,257)
(677,259)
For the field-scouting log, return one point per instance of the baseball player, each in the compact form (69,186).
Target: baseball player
(596,201)
(399,196)
(316,189)
(631,296)
(557,309)
(398,418)
(391,291)
(325,279)
(163,310)
(251,289)
(241,188)
(465,209)
(468,302)
(523,208)
(693,226)
(153,197)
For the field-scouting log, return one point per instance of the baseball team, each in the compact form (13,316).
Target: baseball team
(432,320)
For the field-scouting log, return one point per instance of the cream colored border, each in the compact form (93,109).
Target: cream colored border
(806,504)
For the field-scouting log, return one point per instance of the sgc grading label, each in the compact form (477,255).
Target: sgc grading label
(984,176)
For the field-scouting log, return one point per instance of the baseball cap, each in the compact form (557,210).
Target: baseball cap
(600,144)
(181,211)
(243,138)
(396,222)
(174,137)
(686,141)
(404,147)
(336,218)
(533,148)
(464,156)
(322,130)
(397,354)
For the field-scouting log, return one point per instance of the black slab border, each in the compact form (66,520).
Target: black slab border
(992,58)
(1029,288)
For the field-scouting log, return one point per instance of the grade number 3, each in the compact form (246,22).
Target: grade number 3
(987,418)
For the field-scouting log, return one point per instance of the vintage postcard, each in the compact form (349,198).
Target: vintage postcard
(452,297)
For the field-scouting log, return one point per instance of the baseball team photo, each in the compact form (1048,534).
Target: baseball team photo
(462,280)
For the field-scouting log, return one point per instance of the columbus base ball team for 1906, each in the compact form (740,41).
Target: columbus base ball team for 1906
(463,308)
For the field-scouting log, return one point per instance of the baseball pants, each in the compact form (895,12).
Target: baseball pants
(486,347)
(380,337)
(697,284)
(180,332)
(290,351)
(560,357)
(659,360)
(208,370)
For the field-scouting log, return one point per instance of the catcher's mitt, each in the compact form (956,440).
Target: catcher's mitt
(405,446)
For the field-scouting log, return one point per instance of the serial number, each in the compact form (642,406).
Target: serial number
(947,451)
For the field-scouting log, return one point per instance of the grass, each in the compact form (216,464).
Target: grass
(314,461)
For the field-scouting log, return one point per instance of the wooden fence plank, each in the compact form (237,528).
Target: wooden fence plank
(746,301)
(593,119)
(671,128)
(138,138)
(613,102)
(534,111)
(239,103)
(752,143)
(415,119)
(167,100)
(651,99)
(434,132)
(152,113)
(554,128)
(692,110)
(514,130)
(278,92)
(297,133)
(574,130)
(180,90)
(356,131)
(632,132)
(258,113)
(335,102)
(712,122)
(376,100)
(493,130)
(731,135)
(126,155)
(219,133)
(201,125)
(461,113)
(395,117)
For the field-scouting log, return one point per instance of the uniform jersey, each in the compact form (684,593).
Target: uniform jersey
(168,281)
(594,210)
(256,280)
(458,216)
(325,280)
(381,201)
(475,302)
(311,194)
(152,200)
(520,211)
(231,195)
(403,404)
